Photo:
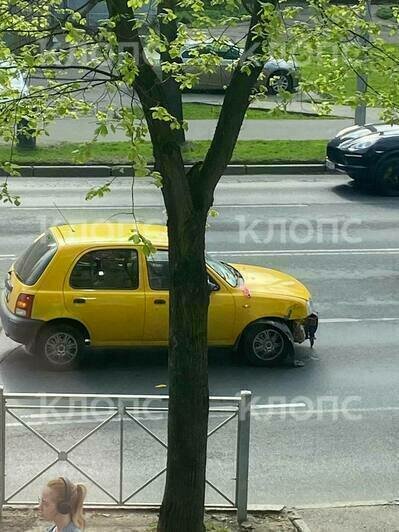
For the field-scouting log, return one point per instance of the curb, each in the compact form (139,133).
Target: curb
(117,170)
(297,521)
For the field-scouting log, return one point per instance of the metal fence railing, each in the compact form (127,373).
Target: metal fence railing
(122,410)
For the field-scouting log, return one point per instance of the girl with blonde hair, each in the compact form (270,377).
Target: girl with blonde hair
(62,503)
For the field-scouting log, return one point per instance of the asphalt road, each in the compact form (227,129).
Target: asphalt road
(342,446)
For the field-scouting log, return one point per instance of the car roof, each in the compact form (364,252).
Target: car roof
(109,233)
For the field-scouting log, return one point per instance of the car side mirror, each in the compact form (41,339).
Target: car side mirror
(212,287)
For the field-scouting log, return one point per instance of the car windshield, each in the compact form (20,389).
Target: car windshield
(226,271)
(30,266)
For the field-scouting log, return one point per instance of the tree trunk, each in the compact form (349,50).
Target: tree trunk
(183,504)
(182,508)
(187,200)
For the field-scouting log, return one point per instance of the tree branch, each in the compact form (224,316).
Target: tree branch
(236,98)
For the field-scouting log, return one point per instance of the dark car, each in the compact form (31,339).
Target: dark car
(368,154)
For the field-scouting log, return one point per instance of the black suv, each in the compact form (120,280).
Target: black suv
(368,154)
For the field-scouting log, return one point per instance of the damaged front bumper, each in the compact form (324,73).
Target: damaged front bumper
(306,329)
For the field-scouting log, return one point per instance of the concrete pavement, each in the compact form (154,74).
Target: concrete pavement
(355,518)
(82,129)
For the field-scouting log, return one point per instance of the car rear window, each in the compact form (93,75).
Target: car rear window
(31,265)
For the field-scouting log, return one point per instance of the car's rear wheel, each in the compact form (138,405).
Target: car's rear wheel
(279,81)
(266,345)
(61,346)
(386,178)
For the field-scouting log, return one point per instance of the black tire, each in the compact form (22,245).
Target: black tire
(266,345)
(386,176)
(281,79)
(61,346)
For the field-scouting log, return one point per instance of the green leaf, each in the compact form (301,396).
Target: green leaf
(98,192)
(158,180)
(138,238)
(5,195)
(135,238)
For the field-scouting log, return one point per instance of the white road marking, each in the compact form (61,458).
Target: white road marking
(263,410)
(293,252)
(289,252)
(153,206)
(354,320)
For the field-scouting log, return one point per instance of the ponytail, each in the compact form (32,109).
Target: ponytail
(77,506)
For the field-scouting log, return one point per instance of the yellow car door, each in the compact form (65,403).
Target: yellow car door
(156,325)
(103,290)
(221,314)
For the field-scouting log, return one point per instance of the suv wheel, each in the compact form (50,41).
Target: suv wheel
(386,178)
(278,81)
(266,345)
(61,346)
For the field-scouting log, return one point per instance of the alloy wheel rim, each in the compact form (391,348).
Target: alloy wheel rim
(268,344)
(279,82)
(61,348)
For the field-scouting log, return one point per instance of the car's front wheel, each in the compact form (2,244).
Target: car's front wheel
(61,346)
(279,81)
(266,345)
(386,178)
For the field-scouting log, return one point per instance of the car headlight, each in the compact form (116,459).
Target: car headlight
(360,144)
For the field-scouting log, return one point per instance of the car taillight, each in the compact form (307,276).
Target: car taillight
(24,304)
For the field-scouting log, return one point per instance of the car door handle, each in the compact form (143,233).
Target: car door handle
(79,300)
(159,301)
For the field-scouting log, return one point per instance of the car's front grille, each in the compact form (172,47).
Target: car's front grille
(335,155)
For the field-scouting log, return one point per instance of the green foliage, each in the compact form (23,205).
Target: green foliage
(384,12)
(6,196)
(328,45)
(139,239)
(98,192)
(162,114)
(157,179)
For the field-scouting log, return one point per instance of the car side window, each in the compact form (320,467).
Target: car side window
(106,269)
(158,270)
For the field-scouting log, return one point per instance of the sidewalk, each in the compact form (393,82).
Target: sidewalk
(378,518)
(139,521)
(82,130)
(362,518)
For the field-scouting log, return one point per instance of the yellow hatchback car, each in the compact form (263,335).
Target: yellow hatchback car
(87,284)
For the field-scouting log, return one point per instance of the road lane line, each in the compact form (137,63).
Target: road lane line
(261,410)
(293,252)
(355,320)
(153,205)
(289,252)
